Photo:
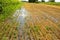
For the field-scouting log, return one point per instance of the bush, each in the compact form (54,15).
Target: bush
(7,7)
(1,7)
(33,1)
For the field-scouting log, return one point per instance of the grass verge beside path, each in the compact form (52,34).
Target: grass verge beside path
(8,25)
(9,9)
(52,3)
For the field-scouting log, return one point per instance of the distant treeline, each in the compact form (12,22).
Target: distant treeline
(41,0)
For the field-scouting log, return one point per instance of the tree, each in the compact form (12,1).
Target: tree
(43,0)
(33,0)
(1,7)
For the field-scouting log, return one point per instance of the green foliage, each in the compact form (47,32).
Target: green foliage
(7,7)
(33,1)
(47,27)
(36,28)
(54,3)
(43,0)
(10,1)
(51,3)
(0,7)
(51,0)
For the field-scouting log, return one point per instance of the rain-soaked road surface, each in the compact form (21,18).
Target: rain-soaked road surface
(38,22)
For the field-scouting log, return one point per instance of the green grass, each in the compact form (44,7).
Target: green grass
(48,28)
(8,28)
(9,9)
(52,3)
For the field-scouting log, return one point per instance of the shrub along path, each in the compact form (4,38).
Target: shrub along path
(8,25)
